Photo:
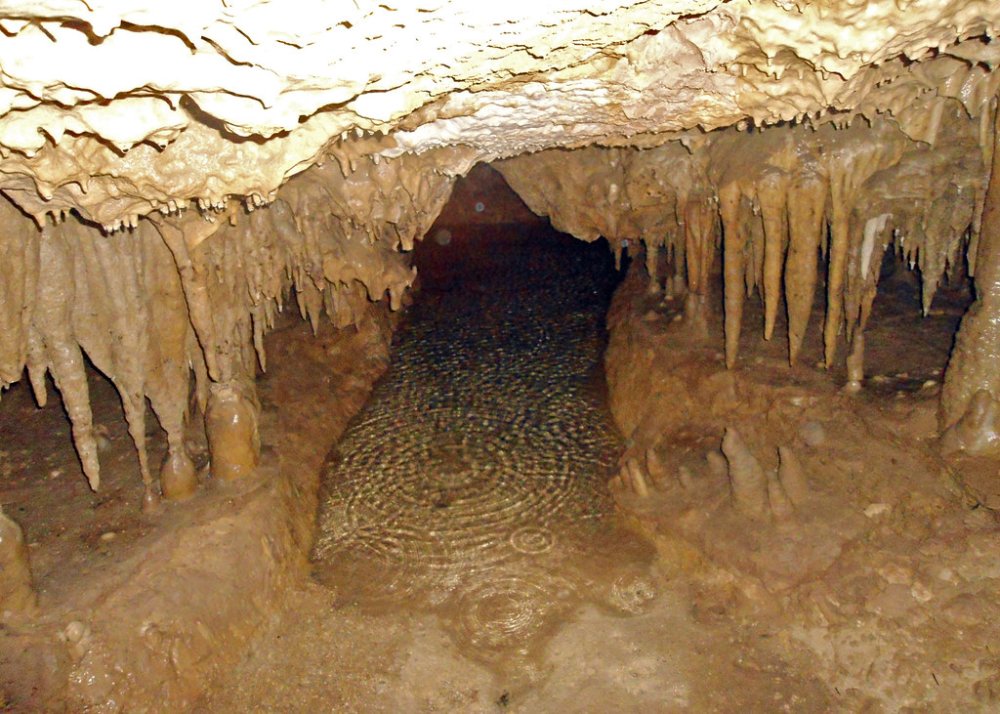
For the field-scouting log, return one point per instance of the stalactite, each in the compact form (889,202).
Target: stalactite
(753,276)
(734,266)
(772,190)
(62,355)
(787,197)
(18,285)
(865,260)
(854,155)
(840,193)
(806,203)
(652,265)
(699,249)
(193,293)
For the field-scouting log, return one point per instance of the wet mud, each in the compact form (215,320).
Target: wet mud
(472,486)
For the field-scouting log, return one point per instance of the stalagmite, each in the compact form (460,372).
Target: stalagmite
(746,476)
(172,350)
(656,468)
(791,476)
(856,361)
(637,478)
(317,187)
(189,293)
(686,478)
(174,177)
(16,592)
(977,431)
(777,499)
(717,464)
(178,479)
(231,425)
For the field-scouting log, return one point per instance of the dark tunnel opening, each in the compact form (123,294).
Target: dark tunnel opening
(473,484)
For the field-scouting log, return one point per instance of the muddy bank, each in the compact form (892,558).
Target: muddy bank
(825,521)
(150,628)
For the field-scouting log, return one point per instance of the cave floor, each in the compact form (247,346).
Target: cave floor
(469,554)
(71,531)
(471,558)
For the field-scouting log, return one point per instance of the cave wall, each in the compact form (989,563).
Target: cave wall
(174,175)
(483,199)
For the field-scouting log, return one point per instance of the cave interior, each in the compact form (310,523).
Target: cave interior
(435,357)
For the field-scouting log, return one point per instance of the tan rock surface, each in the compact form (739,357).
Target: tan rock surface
(120,108)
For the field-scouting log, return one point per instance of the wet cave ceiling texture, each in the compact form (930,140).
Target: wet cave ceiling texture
(175,173)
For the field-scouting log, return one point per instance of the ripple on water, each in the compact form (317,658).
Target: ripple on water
(377,563)
(511,610)
(532,540)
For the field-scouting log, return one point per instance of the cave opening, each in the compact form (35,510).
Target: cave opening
(489,506)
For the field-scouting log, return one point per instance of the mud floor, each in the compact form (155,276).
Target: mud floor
(469,555)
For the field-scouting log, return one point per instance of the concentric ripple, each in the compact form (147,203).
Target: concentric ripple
(509,611)
(532,540)
(473,481)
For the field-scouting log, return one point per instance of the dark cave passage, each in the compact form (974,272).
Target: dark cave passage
(473,483)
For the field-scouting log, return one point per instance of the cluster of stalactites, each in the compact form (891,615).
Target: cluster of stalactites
(776,202)
(193,293)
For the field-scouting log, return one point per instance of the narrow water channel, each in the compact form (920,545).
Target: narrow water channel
(473,484)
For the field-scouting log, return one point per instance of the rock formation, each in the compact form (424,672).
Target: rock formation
(173,176)
(780,194)
(189,294)
(16,592)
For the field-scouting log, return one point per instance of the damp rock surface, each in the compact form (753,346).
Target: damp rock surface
(109,106)
(473,483)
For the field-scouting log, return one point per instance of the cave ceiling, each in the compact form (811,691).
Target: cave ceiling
(115,109)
